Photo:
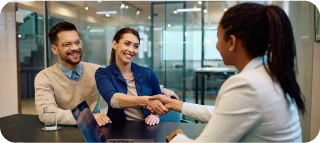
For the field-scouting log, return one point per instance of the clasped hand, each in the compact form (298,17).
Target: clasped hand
(159,104)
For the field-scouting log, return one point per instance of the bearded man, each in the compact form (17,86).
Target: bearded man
(70,81)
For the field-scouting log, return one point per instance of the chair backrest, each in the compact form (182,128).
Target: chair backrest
(171,116)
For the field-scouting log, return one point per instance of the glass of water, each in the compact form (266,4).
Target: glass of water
(50,118)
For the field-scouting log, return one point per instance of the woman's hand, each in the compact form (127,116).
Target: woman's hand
(156,107)
(169,104)
(152,120)
(173,134)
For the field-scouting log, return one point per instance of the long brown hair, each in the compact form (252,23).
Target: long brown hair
(266,30)
(117,38)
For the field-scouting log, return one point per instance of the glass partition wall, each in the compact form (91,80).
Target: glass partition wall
(177,38)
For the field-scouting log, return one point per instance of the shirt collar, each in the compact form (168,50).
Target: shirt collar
(68,72)
(254,63)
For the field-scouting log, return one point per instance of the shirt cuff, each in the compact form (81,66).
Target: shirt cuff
(180,138)
(115,100)
(184,109)
(161,88)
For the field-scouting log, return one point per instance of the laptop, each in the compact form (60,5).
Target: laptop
(90,129)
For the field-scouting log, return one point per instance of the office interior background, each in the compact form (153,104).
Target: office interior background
(177,38)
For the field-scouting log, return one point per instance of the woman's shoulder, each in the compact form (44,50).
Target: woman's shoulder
(104,70)
(142,68)
(256,79)
(254,76)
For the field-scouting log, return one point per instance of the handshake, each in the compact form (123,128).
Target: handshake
(161,104)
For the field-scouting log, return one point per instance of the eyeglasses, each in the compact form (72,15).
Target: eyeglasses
(69,44)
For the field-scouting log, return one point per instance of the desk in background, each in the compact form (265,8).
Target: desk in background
(27,128)
(201,72)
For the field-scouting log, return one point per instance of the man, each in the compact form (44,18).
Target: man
(70,81)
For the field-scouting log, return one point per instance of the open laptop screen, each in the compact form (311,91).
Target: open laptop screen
(87,124)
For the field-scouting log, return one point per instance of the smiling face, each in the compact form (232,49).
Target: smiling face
(68,48)
(126,48)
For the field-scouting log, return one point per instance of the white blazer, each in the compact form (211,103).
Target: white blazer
(250,107)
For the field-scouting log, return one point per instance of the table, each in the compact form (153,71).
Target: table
(225,71)
(27,128)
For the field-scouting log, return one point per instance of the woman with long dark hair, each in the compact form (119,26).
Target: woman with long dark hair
(261,103)
(126,86)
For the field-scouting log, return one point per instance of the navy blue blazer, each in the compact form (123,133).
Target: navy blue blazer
(109,81)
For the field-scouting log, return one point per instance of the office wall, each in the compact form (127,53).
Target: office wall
(315,114)
(8,62)
(315,95)
(301,17)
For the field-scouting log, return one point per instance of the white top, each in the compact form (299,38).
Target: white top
(250,107)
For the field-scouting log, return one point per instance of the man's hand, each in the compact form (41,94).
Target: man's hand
(169,93)
(152,120)
(156,107)
(102,119)
(173,134)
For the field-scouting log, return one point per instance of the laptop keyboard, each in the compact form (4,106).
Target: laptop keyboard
(120,141)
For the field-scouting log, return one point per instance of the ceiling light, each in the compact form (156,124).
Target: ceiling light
(86,8)
(169,25)
(175,12)
(199,2)
(122,6)
(149,17)
(189,10)
(205,10)
(127,7)
(99,1)
(107,15)
(106,12)
(138,12)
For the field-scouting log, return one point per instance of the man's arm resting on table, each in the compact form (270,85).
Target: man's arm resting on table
(44,96)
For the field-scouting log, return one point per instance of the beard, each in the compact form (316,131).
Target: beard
(70,61)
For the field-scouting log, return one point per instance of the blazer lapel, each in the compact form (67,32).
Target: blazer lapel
(117,73)
(137,78)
